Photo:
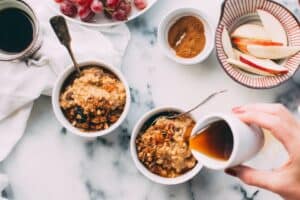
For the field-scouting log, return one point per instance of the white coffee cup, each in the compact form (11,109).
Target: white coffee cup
(247,141)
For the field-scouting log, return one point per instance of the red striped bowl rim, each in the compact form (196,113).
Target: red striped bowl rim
(232,10)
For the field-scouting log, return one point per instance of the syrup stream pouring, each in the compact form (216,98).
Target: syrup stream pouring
(61,30)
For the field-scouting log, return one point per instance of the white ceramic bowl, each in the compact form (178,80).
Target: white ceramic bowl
(158,179)
(60,115)
(170,19)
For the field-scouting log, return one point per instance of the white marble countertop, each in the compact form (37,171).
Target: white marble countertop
(51,164)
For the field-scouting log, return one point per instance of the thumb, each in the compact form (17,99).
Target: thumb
(263,179)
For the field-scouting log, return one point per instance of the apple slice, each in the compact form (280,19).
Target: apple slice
(237,53)
(248,68)
(242,48)
(226,42)
(242,43)
(272,52)
(263,64)
(273,27)
(248,41)
(251,31)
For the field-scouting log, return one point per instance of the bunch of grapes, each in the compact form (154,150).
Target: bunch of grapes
(118,9)
(87,9)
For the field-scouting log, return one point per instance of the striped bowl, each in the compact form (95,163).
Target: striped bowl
(237,12)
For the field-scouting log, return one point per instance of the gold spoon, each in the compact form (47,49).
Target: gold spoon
(174,116)
(61,30)
(197,106)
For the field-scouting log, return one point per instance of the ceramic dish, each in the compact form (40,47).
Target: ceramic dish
(170,19)
(59,113)
(156,178)
(237,12)
(102,21)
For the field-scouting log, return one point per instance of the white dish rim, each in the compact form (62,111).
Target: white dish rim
(153,177)
(59,114)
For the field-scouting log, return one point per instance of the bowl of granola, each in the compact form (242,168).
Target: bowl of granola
(160,147)
(92,103)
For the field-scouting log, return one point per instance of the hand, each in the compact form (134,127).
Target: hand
(285,180)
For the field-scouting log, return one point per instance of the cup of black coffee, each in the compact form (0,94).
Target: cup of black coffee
(19,35)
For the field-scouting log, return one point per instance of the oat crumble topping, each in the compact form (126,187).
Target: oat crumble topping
(164,147)
(93,101)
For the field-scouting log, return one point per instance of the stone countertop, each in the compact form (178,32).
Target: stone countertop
(52,164)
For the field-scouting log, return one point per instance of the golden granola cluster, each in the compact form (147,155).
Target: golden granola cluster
(164,147)
(94,100)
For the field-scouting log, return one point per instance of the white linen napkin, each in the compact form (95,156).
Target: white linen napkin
(21,83)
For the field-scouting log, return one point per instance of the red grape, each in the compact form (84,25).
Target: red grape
(68,9)
(140,4)
(118,10)
(58,1)
(97,6)
(89,17)
(84,2)
(126,6)
(120,15)
(112,3)
(86,14)
(83,10)
(81,2)
(72,1)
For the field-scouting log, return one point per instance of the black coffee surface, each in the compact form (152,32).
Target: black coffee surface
(16,30)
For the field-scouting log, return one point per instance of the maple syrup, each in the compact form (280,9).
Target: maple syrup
(215,141)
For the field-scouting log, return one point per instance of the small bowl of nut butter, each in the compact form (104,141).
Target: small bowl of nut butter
(186,36)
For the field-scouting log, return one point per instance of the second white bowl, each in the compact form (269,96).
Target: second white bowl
(158,179)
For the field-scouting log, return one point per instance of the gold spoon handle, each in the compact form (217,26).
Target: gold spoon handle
(73,58)
(197,106)
(192,109)
(61,30)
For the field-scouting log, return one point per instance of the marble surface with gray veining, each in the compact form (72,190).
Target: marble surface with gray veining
(50,163)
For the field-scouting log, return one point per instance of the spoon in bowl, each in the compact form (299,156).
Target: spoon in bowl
(61,30)
(197,106)
(174,116)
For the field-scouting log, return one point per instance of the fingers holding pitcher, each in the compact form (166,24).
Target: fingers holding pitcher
(272,117)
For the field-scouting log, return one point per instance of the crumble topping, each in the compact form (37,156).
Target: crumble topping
(164,147)
(94,100)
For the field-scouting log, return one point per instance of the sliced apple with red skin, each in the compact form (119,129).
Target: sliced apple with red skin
(248,68)
(253,31)
(272,52)
(226,43)
(249,41)
(264,65)
(242,48)
(273,27)
(242,43)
